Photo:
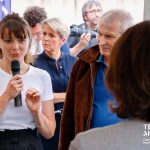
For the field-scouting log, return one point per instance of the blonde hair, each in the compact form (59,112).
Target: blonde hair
(57,25)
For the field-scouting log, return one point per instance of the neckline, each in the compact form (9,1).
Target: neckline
(8,74)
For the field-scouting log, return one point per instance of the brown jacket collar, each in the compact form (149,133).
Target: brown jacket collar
(90,55)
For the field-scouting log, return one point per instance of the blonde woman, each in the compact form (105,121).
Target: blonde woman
(59,65)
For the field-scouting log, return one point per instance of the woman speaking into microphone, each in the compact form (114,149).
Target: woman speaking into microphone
(20,124)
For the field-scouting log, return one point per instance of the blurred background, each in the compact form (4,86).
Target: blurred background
(70,10)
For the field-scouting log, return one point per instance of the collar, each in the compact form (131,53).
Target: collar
(101,60)
(52,59)
(90,55)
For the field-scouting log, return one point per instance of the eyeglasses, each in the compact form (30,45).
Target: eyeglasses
(94,11)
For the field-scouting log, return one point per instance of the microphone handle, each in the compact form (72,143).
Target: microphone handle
(18,100)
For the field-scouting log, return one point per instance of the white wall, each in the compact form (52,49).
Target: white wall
(70,10)
(146,9)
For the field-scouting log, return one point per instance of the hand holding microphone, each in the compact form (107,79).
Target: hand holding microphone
(15,68)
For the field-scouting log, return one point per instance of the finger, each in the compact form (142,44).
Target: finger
(17,77)
(82,36)
(88,34)
(15,86)
(17,82)
(31,91)
(36,95)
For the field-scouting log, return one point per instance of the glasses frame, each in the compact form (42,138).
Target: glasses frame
(94,11)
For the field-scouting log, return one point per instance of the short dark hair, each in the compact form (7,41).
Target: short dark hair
(128,73)
(17,26)
(34,15)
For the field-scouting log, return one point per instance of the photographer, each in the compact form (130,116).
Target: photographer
(91,12)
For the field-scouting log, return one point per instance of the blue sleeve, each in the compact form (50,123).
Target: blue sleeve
(65,48)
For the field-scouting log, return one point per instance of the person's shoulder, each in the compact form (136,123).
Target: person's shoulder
(40,56)
(38,71)
(82,25)
(117,136)
(90,55)
(107,130)
(40,59)
(123,131)
(86,58)
(70,56)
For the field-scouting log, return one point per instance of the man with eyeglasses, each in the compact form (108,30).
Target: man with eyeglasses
(91,12)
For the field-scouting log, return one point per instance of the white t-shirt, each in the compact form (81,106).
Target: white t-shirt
(36,47)
(20,117)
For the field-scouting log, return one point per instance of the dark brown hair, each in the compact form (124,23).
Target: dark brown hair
(34,15)
(128,74)
(19,28)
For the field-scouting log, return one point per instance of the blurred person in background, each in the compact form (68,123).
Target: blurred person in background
(87,95)
(59,65)
(91,12)
(34,15)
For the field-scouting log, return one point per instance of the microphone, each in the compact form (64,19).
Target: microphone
(15,68)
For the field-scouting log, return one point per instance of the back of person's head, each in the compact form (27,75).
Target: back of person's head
(117,15)
(128,74)
(89,4)
(34,15)
(58,25)
(13,25)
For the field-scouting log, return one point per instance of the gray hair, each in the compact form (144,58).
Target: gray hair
(89,4)
(59,26)
(117,15)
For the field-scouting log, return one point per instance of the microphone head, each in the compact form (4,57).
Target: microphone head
(15,67)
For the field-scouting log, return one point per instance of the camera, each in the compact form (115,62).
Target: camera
(76,31)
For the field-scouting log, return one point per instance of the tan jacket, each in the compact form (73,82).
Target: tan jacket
(128,135)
